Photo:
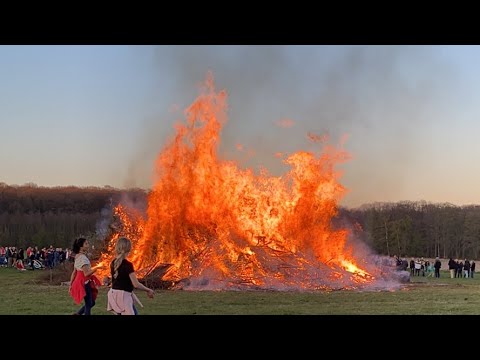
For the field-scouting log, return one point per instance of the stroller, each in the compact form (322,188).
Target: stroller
(38,265)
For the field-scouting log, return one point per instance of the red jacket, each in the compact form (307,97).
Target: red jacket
(77,288)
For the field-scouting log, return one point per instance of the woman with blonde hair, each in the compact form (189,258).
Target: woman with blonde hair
(124,280)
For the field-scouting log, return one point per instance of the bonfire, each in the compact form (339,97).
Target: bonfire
(211,224)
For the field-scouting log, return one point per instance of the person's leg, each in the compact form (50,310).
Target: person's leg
(81,311)
(89,303)
(129,304)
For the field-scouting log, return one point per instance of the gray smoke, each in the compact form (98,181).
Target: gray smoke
(381,96)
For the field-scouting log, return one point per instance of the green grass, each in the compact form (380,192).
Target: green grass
(23,294)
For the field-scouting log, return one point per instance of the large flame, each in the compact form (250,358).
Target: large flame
(221,226)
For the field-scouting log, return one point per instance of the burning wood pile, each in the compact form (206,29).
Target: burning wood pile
(260,266)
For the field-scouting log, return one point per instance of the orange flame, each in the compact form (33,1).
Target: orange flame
(222,226)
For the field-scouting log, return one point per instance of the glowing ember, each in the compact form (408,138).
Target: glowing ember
(223,227)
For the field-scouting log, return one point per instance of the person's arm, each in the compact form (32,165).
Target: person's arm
(138,285)
(87,270)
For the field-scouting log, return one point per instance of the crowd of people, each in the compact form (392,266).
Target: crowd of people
(32,258)
(422,267)
(459,268)
(427,268)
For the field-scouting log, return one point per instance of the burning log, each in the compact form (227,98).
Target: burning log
(152,277)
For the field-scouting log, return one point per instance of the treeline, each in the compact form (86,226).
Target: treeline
(419,229)
(43,216)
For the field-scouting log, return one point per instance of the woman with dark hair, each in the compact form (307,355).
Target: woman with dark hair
(83,284)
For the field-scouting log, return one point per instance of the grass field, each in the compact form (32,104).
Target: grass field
(23,294)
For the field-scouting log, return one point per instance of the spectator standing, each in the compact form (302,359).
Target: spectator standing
(437,266)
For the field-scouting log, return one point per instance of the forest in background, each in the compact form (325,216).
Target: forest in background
(42,216)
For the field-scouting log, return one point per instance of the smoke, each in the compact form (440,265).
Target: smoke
(381,96)
(102,226)
(133,200)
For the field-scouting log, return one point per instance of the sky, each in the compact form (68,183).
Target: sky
(99,115)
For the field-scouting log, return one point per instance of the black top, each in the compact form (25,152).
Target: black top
(122,282)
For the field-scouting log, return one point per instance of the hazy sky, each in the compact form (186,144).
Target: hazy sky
(99,115)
